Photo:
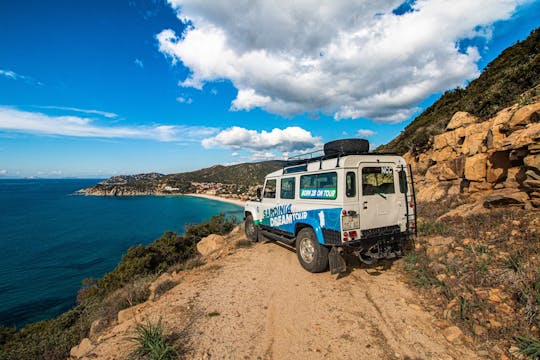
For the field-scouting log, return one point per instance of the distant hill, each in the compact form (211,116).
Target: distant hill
(247,174)
(240,177)
(510,78)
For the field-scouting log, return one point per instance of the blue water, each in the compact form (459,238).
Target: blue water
(51,240)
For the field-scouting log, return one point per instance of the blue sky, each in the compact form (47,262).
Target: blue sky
(97,88)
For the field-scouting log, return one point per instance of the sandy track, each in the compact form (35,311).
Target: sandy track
(270,308)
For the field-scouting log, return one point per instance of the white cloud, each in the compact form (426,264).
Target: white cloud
(106,114)
(38,123)
(351,59)
(365,132)
(235,154)
(3,171)
(285,140)
(139,63)
(184,100)
(14,76)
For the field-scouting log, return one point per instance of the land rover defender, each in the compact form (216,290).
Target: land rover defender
(344,199)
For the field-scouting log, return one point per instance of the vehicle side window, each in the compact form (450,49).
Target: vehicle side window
(403,185)
(318,186)
(270,189)
(350,184)
(378,180)
(287,188)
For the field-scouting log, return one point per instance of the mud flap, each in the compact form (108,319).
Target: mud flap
(336,262)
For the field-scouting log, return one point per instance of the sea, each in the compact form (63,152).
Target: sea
(52,239)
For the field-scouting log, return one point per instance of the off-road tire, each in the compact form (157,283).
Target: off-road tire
(319,260)
(346,147)
(252,231)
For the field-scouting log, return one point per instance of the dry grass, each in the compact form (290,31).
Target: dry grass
(488,279)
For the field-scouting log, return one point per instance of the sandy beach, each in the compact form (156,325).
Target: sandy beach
(219,198)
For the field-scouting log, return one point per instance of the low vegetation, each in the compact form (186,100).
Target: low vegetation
(152,344)
(510,78)
(101,299)
(483,272)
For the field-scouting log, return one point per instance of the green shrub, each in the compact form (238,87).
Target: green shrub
(152,345)
(529,347)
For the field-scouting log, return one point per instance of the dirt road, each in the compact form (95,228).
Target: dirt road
(259,303)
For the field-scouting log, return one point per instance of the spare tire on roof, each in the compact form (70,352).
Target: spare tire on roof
(346,147)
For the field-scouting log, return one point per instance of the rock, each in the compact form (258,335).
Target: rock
(533,162)
(442,172)
(476,186)
(452,333)
(505,197)
(532,184)
(133,312)
(479,330)
(473,143)
(443,154)
(475,167)
(530,174)
(525,115)
(497,166)
(83,349)
(521,138)
(210,244)
(494,136)
(461,118)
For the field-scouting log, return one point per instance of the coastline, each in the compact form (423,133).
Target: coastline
(219,198)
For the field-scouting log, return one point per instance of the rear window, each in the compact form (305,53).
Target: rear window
(378,180)
(319,186)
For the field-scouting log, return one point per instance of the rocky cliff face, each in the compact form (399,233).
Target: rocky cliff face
(493,162)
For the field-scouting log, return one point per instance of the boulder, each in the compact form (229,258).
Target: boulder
(475,167)
(505,197)
(504,116)
(461,118)
(497,166)
(452,333)
(443,154)
(81,350)
(525,115)
(210,244)
(532,162)
(494,136)
(521,138)
(476,138)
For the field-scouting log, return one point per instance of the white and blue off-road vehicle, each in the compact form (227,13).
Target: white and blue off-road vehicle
(345,200)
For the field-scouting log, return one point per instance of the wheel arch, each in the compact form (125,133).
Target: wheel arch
(310,224)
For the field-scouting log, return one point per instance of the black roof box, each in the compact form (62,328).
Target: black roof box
(346,147)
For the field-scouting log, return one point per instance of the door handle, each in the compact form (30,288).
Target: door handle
(365,204)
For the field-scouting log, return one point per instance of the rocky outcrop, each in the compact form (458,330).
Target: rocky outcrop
(495,161)
(211,244)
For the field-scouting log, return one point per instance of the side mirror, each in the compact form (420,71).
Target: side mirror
(259,194)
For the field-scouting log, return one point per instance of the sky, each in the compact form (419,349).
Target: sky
(100,88)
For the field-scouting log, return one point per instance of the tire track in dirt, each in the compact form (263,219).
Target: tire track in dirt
(259,303)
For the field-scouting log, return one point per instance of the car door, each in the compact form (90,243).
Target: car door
(379,203)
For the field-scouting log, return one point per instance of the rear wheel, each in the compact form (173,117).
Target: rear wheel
(312,256)
(252,233)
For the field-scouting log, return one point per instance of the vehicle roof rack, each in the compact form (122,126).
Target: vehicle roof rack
(311,157)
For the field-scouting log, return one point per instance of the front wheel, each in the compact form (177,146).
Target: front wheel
(312,256)
(252,233)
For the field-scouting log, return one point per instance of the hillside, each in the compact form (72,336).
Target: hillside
(240,180)
(510,78)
